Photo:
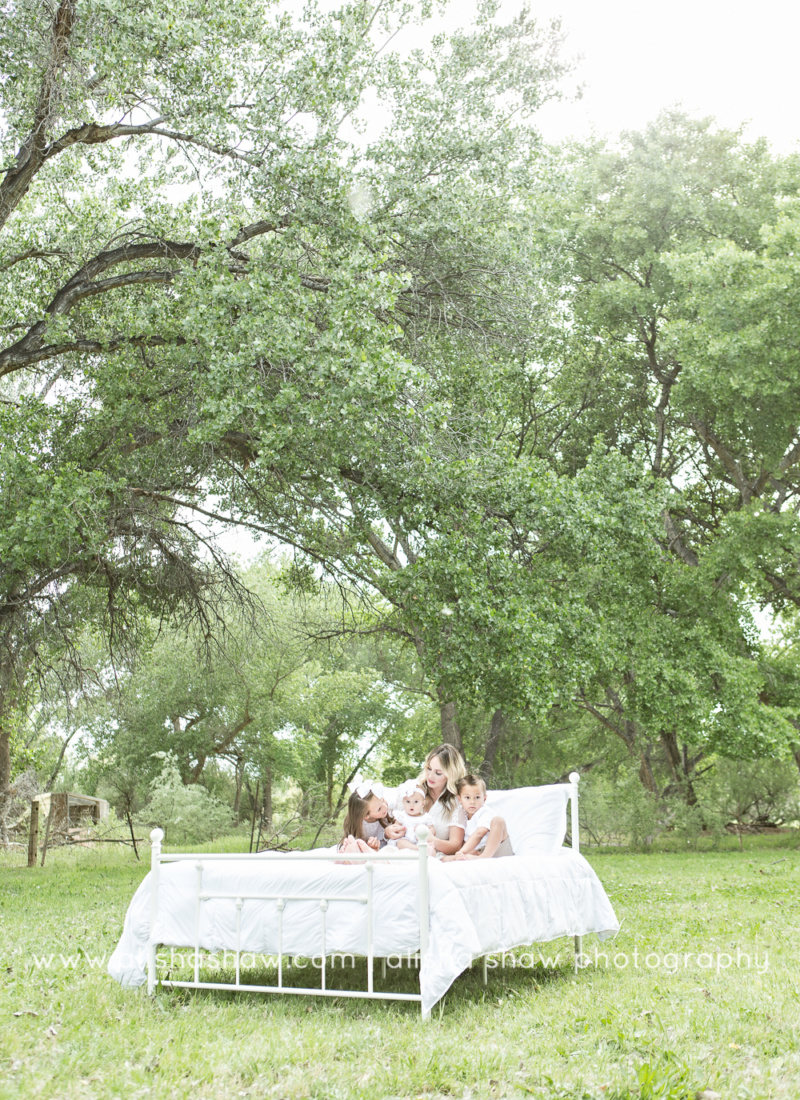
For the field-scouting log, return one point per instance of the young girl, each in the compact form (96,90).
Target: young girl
(368,823)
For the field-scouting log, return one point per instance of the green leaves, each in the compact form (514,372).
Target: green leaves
(679,285)
(511,600)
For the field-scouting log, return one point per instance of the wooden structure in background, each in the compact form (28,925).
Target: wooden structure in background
(66,813)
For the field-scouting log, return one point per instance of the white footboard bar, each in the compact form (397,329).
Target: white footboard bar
(282,899)
(574,779)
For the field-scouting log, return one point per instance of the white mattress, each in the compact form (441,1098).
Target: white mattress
(476,907)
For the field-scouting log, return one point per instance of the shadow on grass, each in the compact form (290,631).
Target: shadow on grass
(509,974)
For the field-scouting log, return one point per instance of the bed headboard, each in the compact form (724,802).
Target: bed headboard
(537,816)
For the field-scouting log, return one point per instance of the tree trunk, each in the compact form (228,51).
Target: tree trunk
(646,772)
(5,776)
(497,728)
(9,691)
(679,766)
(238,800)
(795,747)
(197,770)
(329,788)
(130,826)
(57,766)
(255,811)
(267,814)
(451,734)
(626,729)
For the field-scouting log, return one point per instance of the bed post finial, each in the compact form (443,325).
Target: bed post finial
(156,836)
(574,779)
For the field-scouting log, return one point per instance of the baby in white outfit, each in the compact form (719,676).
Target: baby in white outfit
(412,814)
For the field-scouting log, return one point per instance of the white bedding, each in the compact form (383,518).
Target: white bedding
(476,907)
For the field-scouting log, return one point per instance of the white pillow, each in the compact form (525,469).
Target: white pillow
(536,817)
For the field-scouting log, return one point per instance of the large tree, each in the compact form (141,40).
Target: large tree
(681,352)
(211,294)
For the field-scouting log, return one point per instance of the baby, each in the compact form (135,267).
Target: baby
(412,814)
(486,835)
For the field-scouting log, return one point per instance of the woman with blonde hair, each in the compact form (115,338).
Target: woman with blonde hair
(444,766)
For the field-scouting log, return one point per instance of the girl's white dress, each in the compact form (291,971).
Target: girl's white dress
(411,823)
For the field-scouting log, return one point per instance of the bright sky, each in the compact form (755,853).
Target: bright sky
(735,61)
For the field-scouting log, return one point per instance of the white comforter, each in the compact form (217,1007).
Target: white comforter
(476,907)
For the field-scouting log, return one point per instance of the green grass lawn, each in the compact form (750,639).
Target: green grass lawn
(687,1011)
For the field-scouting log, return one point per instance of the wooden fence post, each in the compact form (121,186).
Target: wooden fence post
(33,834)
(47,829)
(253,823)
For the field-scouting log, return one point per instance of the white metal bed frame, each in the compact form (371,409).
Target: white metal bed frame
(158,857)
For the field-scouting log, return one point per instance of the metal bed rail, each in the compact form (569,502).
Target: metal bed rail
(157,857)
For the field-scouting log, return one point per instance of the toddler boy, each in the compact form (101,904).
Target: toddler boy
(486,835)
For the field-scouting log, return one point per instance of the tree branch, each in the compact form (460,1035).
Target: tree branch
(31,155)
(782,588)
(790,458)
(36,151)
(382,550)
(92,347)
(685,553)
(31,347)
(731,465)
(31,254)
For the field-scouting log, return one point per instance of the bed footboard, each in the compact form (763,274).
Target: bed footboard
(283,903)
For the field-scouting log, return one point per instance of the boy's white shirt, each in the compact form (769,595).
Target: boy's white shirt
(481,819)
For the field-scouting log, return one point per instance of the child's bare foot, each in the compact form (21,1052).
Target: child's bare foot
(353,845)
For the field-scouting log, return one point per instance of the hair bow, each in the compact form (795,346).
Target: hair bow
(362,787)
(405,790)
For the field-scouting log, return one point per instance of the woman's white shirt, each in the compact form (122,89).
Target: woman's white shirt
(443,819)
